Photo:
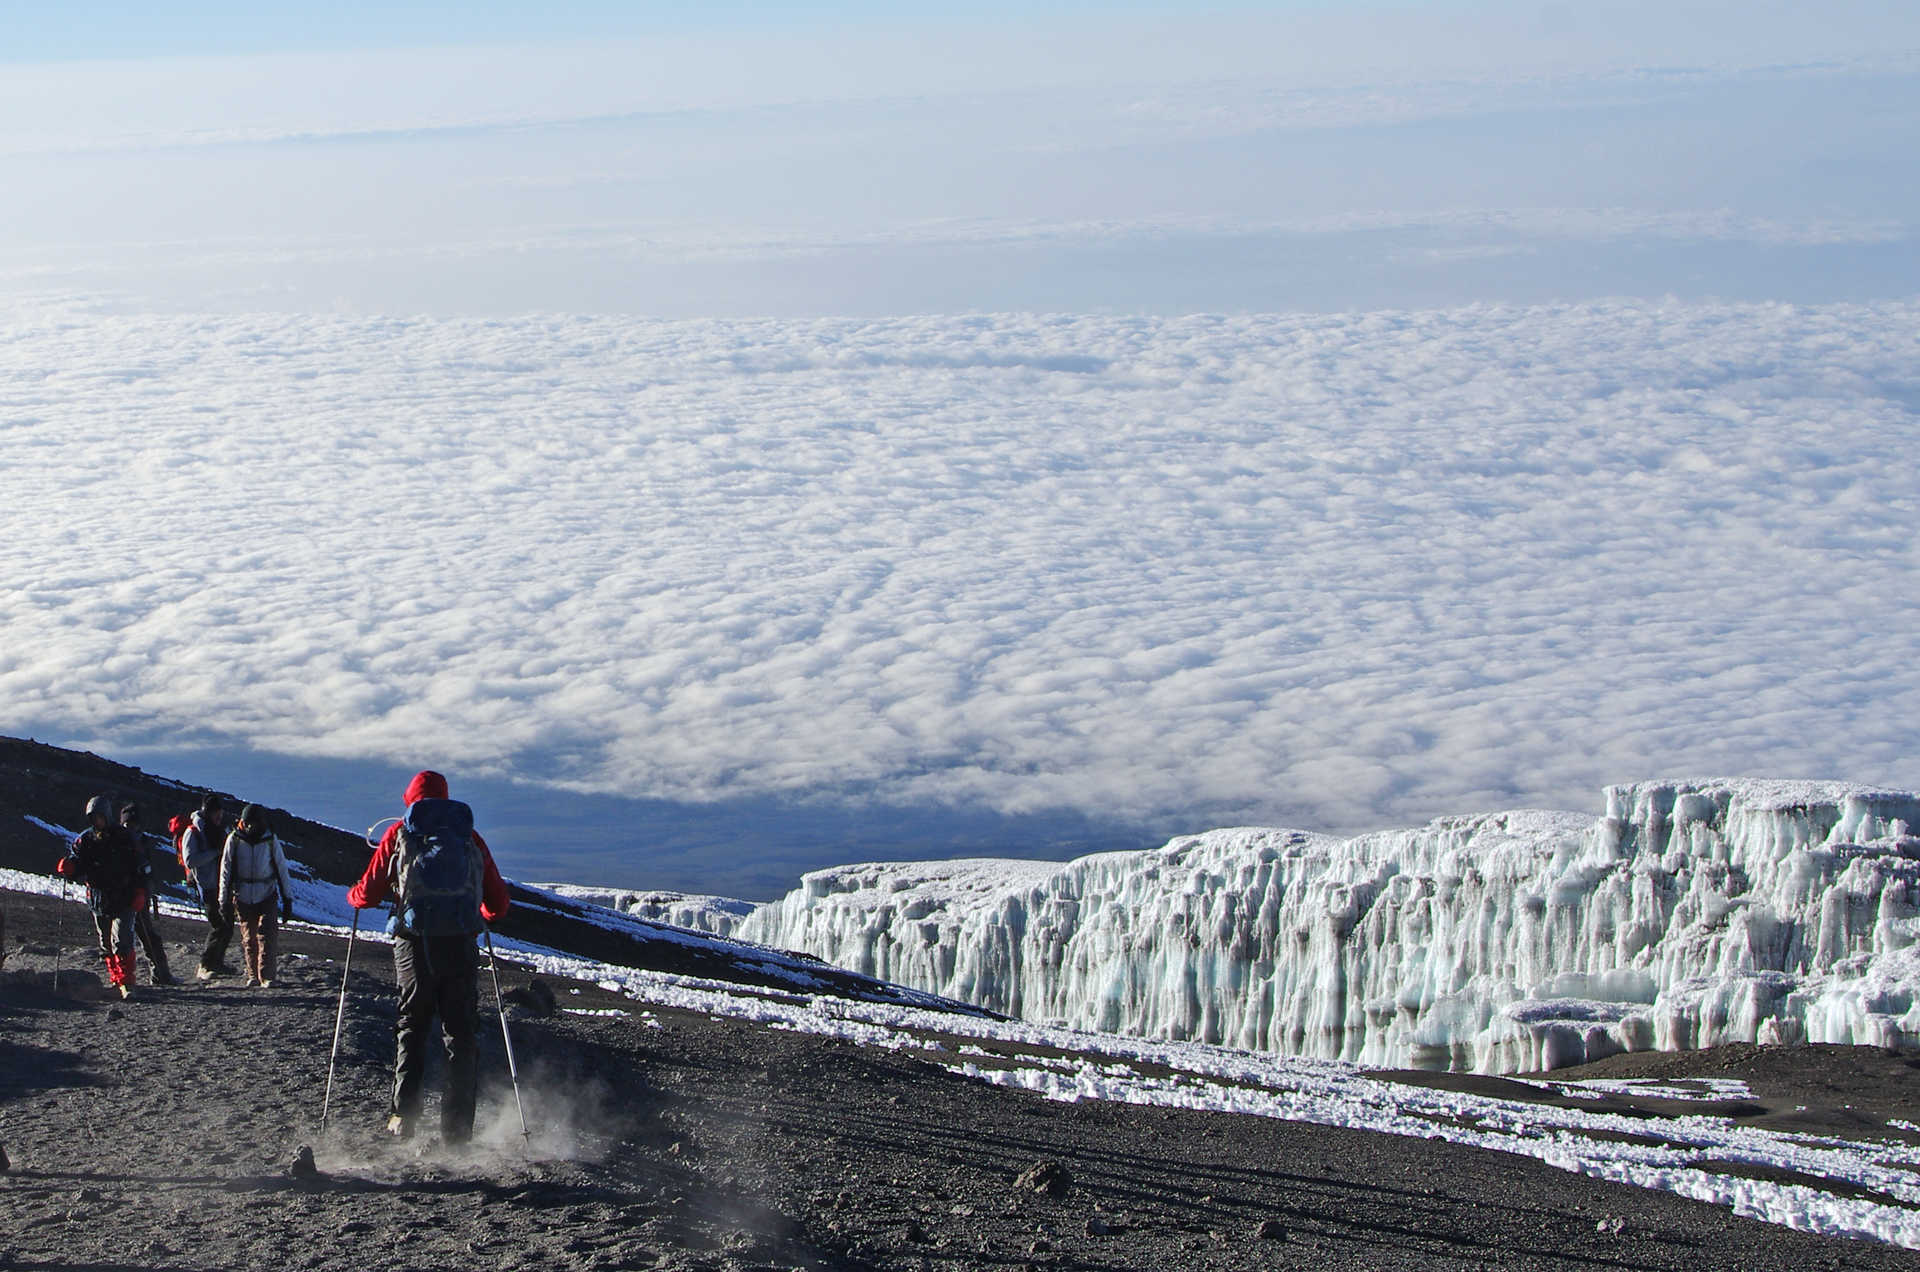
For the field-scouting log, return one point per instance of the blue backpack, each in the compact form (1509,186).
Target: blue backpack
(438,870)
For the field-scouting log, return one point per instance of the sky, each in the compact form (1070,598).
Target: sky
(843,160)
(128,29)
(1074,426)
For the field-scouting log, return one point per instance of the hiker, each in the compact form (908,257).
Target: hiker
(444,886)
(255,885)
(106,858)
(145,923)
(200,846)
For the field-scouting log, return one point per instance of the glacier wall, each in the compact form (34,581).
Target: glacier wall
(1691,914)
(715,916)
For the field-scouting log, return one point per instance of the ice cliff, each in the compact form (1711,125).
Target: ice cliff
(717,916)
(1692,913)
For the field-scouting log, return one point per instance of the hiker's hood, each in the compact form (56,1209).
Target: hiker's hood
(426,785)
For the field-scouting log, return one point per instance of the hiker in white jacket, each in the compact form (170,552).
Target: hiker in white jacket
(254,880)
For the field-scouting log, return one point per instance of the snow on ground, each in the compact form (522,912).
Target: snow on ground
(1652,1088)
(317,904)
(1699,1157)
(322,906)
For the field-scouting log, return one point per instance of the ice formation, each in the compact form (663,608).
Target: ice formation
(1691,914)
(717,916)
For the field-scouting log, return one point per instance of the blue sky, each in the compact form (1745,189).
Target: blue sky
(39,32)
(759,160)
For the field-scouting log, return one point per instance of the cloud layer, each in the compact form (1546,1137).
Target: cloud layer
(1333,571)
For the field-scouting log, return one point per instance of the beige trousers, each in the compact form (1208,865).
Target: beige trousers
(260,938)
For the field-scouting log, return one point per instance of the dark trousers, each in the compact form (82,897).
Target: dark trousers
(148,931)
(437,976)
(115,928)
(219,926)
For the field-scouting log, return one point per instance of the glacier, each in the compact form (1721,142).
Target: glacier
(1692,913)
(697,912)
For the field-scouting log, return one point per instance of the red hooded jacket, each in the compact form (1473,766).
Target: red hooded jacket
(377,883)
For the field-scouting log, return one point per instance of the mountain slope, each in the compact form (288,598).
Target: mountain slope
(43,790)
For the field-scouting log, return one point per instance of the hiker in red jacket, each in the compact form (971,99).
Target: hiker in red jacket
(440,876)
(106,858)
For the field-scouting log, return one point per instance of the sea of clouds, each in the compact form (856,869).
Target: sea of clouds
(1339,572)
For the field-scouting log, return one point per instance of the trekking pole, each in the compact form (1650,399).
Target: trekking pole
(339,1015)
(60,934)
(513,1070)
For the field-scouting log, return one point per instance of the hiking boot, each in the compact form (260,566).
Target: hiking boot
(204,973)
(126,991)
(163,978)
(399,1127)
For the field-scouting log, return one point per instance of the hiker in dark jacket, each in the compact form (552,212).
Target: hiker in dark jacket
(106,858)
(255,886)
(438,971)
(145,925)
(201,845)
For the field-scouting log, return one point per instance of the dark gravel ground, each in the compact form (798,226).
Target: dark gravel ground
(158,1134)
